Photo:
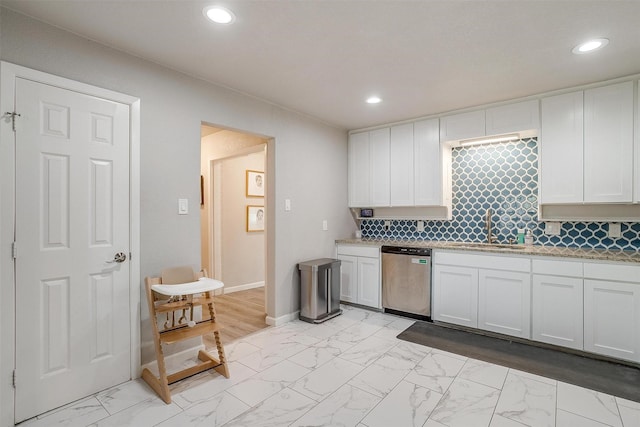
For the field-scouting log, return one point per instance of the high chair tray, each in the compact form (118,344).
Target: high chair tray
(203,285)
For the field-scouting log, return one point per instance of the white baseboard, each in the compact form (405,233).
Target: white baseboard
(277,321)
(243,287)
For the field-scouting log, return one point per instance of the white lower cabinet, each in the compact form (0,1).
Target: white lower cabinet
(455,295)
(493,299)
(360,275)
(557,310)
(612,318)
(504,302)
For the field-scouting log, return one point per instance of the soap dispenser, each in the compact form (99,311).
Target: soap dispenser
(528,238)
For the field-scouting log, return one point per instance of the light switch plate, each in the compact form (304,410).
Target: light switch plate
(387,225)
(325,225)
(420,226)
(614,230)
(183,206)
(287,205)
(552,228)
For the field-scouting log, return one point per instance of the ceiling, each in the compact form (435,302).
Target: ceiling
(324,58)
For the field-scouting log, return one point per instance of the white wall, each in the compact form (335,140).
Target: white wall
(243,253)
(217,146)
(309,158)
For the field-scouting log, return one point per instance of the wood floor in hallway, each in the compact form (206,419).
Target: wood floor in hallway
(239,314)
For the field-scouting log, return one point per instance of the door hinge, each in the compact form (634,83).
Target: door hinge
(14,250)
(13,116)
(129,256)
(13,379)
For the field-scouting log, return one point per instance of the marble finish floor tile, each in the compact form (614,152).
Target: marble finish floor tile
(144,414)
(346,407)
(212,412)
(528,401)
(466,404)
(436,371)
(590,404)
(216,384)
(323,381)
(349,371)
(367,351)
(498,421)
(265,384)
(406,405)
(484,373)
(567,419)
(281,409)
(78,414)
(128,394)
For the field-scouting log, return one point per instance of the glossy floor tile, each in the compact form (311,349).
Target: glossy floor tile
(350,371)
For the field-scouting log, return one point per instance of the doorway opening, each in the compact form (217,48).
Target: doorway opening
(233,227)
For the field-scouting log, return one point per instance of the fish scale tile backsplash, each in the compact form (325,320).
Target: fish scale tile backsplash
(504,178)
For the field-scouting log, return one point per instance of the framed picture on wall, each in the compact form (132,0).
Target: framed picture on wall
(255,218)
(255,183)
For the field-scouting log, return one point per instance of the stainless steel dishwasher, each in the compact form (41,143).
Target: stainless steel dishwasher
(406,281)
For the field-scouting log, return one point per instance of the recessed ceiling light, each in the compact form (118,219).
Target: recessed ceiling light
(590,46)
(374,100)
(219,15)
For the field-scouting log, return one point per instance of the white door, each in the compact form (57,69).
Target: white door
(72,217)
(359,170)
(401,165)
(379,171)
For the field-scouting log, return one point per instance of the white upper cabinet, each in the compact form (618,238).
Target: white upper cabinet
(513,118)
(586,146)
(401,163)
(462,126)
(561,179)
(379,173)
(636,185)
(430,172)
(518,117)
(359,170)
(608,144)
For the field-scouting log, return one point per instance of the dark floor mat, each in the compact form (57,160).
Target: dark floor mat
(607,377)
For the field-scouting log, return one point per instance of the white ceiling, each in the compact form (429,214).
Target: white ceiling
(323,58)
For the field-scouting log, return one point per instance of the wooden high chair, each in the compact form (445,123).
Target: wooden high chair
(179,291)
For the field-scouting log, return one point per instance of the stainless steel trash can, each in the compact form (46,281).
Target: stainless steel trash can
(319,289)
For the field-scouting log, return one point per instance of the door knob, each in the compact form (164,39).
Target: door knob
(119,257)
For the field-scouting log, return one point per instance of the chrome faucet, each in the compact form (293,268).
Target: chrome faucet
(487,226)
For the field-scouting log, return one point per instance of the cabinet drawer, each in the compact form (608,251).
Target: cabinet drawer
(491,262)
(364,251)
(557,268)
(622,273)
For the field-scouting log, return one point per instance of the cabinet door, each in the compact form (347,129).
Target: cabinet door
(636,150)
(401,165)
(379,167)
(348,278)
(455,295)
(558,310)
(369,282)
(428,169)
(513,118)
(504,302)
(608,143)
(359,170)
(561,147)
(462,126)
(612,319)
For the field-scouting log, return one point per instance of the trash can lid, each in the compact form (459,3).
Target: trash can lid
(314,264)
